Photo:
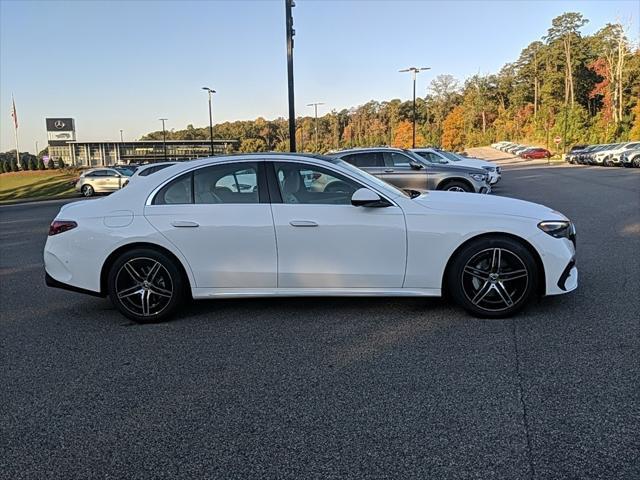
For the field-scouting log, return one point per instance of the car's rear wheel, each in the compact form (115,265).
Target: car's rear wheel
(145,285)
(457,186)
(492,277)
(88,191)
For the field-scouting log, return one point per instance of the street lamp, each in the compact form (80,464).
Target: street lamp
(315,107)
(210,91)
(414,71)
(164,138)
(121,140)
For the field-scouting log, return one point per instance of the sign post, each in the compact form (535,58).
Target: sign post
(557,141)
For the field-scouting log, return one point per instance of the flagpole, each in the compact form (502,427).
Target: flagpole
(14,114)
(17,149)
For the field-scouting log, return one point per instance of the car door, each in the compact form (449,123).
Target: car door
(323,240)
(113,180)
(220,219)
(399,172)
(99,180)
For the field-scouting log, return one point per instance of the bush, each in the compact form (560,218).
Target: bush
(14,166)
(33,164)
(41,164)
(61,163)
(51,164)
(24,163)
(2,169)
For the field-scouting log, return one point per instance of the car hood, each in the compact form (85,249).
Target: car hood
(475,204)
(474,163)
(450,167)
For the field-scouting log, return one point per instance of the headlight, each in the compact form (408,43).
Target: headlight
(479,177)
(489,169)
(558,228)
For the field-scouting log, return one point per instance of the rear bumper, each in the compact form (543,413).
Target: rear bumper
(52,282)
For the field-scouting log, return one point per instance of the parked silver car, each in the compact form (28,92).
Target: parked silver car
(102,180)
(408,170)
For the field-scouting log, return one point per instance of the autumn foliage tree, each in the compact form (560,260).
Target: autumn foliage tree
(453,136)
(403,136)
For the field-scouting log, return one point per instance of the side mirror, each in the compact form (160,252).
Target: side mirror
(363,197)
(416,165)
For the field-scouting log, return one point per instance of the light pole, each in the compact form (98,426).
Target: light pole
(210,91)
(121,140)
(414,71)
(288,5)
(164,138)
(315,108)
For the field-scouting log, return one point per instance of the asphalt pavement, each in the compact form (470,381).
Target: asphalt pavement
(333,388)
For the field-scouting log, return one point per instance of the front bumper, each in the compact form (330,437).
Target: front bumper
(568,280)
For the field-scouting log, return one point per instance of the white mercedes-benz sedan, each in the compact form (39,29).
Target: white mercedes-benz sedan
(302,225)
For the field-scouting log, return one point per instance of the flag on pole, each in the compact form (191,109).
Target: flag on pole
(14,113)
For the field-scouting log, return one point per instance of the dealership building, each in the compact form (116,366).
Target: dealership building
(61,138)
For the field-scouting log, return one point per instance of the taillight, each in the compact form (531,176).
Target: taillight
(60,226)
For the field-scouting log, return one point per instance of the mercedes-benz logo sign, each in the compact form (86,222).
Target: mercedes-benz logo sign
(59,124)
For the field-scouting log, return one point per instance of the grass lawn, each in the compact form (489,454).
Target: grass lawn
(35,184)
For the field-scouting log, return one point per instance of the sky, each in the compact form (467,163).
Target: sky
(124,64)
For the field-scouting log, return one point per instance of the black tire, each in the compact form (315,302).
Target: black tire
(149,278)
(88,191)
(484,291)
(457,186)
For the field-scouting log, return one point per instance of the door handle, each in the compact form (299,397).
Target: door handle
(184,224)
(302,223)
(389,170)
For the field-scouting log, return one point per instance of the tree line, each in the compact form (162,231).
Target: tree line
(581,88)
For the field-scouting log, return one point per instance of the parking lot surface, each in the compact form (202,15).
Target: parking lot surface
(333,388)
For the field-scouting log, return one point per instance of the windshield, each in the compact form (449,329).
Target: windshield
(127,172)
(450,156)
(390,189)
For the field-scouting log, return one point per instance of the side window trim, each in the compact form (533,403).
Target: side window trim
(263,191)
(272,182)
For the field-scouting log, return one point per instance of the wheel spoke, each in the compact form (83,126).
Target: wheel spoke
(484,290)
(504,295)
(495,260)
(160,291)
(132,271)
(153,272)
(145,297)
(127,292)
(514,275)
(476,272)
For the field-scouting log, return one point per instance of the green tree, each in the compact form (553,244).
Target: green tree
(565,29)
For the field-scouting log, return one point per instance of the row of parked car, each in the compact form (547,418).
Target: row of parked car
(418,169)
(522,151)
(626,154)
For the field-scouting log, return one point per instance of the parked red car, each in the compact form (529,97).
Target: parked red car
(536,153)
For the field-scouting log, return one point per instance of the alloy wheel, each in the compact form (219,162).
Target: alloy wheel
(144,286)
(456,189)
(495,279)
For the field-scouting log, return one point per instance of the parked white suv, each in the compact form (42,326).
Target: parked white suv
(436,155)
(613,156)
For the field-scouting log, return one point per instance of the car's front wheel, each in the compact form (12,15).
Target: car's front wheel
(492,277)
(145,285)
(88,191)
(457,186)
